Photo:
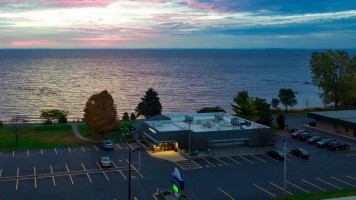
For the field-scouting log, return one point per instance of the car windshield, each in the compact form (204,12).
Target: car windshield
(280,153)
(303,151)
(106,159)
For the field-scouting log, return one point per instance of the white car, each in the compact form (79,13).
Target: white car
(105,161)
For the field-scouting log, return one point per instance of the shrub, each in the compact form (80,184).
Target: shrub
(1,123)
(133,116)
(165,193)
(312,124)
(125,116)
(281,121)
(48,121)
(62,119)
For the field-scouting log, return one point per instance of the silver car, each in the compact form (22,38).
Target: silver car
(105,161)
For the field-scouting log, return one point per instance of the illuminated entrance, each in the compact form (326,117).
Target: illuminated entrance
(168,146)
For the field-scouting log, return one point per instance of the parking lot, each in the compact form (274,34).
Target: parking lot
(74,173)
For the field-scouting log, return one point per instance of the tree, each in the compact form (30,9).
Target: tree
(244,107)
(125,116)
(287,97)
(264,113)
(275,103)
(100,113)
(281,121)
(53,114)
(18,124)
(332,71)
(149,105)
(133,116)
(211,109)
(62,119)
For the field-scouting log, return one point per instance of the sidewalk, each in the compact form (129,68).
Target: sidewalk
(77,134)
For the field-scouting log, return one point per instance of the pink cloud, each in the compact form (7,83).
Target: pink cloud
(33,43)
(104,38)
(68,3)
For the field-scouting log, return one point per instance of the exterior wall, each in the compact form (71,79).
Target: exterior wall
(339,129)
(324,125)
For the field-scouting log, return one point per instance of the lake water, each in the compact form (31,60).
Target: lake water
(186,80)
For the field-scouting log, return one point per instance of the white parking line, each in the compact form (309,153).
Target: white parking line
(344,182)
(313,185)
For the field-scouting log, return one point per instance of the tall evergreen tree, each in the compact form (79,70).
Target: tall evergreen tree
(264,111)
(244,106)
(100,113)
(149,105)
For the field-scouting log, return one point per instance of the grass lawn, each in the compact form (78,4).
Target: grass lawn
(39,137)
(117,135)
(321,195)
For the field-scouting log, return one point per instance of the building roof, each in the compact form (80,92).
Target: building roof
(345,118)
(202,122)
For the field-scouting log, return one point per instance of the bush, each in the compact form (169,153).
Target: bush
(312,124)
(125,116)
(62,119)
(1,123)
(165,193)
(133,116)
(281,121)
(48,121)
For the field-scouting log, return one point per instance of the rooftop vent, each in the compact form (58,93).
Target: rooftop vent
(189,118)
(235,121)
(219,116)
(207,125)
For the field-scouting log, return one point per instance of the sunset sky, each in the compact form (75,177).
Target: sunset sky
(177,24)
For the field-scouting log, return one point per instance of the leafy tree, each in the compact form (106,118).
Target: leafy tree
(53,114)
(18,124)
(281,121)
(287,97)
(264,113)
(332,72)
(100,113)
(149,105)
(211,109)
(244,107)
(125,116)
(133,116)
(275,103)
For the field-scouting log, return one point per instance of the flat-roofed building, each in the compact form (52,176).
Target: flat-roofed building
(341,121)
(206,130)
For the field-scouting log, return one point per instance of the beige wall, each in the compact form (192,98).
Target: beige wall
(330,127)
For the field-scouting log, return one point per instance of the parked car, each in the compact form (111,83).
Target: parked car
(279,155)
(337,146)
(305,136)
(296,134)
(301,153)
(325,142)
(105,161)
(315,139)
(107,144)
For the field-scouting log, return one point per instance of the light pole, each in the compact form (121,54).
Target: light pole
(189,136)
(139,170)
(233,139)
(129,192)
(285,169)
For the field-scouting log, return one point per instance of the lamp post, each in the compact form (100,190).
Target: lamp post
(233,139)
(139,170)
(285,169)
(129,192)
(189,136)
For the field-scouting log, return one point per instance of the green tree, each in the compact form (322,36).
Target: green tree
(100,113)
(332,72)
(149,105)
(18,124)
(281,121)
(133,116)
(244,106)
(53,115)
(264,113)
(287,97)
(211,109)
(275,103)
(125,116)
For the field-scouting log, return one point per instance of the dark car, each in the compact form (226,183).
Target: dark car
(337,146)
(305,136)
(279,155)
(296,134)
(315,139)
(107,144)
(301,153)
(105,161)
(325,142)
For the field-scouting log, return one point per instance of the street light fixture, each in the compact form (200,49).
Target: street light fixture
(285,169)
